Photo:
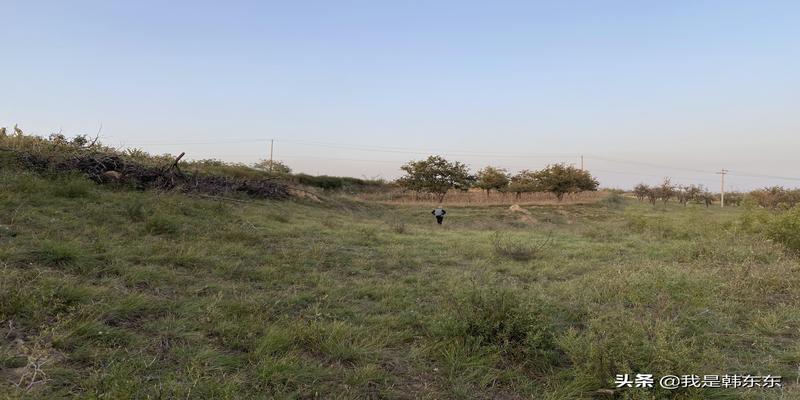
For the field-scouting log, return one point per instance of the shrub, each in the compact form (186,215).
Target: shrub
(518,249)
(135,209)
(785,228)
(336,182)
(499,319)
(614,200)
(775,197)
(754,219)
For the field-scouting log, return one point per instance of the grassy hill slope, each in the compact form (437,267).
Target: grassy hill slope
(110,293)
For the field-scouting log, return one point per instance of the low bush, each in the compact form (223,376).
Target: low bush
(754,218)
(518,249)
(336,182)
(785,228)
(498,318)
(135,209)
(614,200)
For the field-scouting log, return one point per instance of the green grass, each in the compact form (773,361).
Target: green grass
(123,294)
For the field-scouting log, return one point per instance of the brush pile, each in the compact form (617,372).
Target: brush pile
(110,167)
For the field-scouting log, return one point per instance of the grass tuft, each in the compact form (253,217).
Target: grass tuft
(160,224)
(135,209)
(56,253)
(73,187)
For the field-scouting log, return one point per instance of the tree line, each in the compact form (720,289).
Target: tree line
(436,175)
(684,194)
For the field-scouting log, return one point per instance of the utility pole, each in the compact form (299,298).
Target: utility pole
(271,143)
(581,162)
(722,187)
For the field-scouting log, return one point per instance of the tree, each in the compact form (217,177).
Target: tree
(707,198)
(666,190)
(640,191)
(733,198)
(434,175)
(652,195)
(523,182)
(491,178)
(560,179)
(274,167)
(685,194)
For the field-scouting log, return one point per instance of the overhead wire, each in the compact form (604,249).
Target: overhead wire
(462,153)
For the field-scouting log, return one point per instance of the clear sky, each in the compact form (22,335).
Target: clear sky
(643,89)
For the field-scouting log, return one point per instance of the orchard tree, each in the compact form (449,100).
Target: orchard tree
(491,178)
(523,182)
(707,198)
(640,191)
(733,198)
(652,195)
(666,190)
(695,191)
(685,194)
(560,179)
(434,175)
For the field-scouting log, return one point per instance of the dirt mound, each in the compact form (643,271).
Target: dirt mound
(517,208)
(524,215)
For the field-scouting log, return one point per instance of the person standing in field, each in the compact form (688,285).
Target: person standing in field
(439,213)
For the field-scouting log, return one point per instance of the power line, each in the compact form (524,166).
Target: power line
(343,159)
(734,173)
(405,150)
(653,175)
(196,143)
(401,150)
(646,164)
(429,151)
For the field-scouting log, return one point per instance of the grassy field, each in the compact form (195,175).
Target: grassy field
(109,293)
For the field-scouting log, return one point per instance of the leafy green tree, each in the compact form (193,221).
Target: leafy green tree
(274,167)
(434,175)
(523,182)
(491,178)
(561,179)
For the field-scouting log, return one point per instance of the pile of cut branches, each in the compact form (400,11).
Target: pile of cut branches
(112,168)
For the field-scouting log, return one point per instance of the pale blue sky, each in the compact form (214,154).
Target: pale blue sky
(357,87)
